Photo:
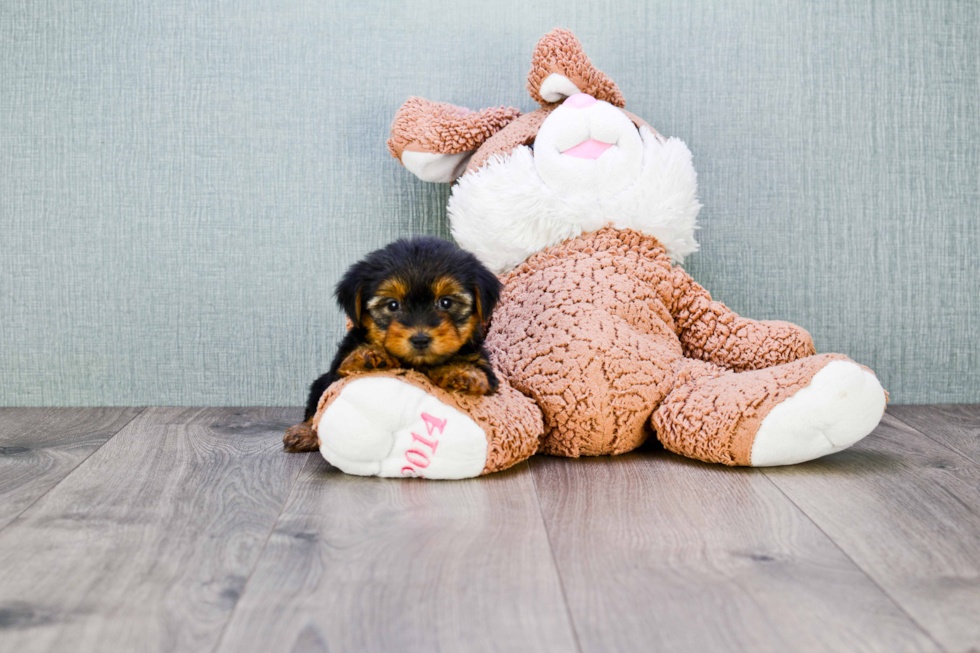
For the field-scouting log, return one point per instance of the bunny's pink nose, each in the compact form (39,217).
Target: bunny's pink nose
(579,101)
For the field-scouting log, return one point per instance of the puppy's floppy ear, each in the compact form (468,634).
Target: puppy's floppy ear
(349,293)
(486,293)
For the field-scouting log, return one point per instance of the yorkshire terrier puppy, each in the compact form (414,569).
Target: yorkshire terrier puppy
(421,303)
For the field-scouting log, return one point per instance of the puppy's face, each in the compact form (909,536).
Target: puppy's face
(421,299)
(420,321)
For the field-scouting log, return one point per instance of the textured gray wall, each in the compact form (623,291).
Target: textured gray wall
(182,182)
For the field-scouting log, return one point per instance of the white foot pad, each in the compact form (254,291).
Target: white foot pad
(842,404)
(386,427)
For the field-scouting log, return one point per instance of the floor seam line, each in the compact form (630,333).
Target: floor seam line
(142,410)
(854,562)
(261,554)
(939,442)
(554,561)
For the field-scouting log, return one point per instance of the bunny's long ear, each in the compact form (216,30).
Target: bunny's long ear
(435,140)
(560,68)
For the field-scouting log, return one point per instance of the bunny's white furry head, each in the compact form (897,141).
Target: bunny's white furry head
(504,212)
(575,165)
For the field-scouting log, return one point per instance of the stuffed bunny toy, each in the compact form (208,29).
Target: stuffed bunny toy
(600,339)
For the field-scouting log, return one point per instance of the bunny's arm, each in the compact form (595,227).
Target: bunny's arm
(712,332)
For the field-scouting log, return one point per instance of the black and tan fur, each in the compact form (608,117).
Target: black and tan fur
(421,303)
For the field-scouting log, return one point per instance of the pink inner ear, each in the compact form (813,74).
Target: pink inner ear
(590,149)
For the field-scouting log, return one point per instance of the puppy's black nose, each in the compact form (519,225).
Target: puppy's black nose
(420,341)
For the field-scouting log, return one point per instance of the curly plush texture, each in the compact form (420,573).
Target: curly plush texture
(511,421)
(559,51)
(713,414)
(713,333)
(521,131)
(442,128)
(601,329)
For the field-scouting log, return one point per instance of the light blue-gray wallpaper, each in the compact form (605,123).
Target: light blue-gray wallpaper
(181,182)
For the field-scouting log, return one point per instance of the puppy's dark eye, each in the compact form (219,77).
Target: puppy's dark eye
(445,303)
(392,306)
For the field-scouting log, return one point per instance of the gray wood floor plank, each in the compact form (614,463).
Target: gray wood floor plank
(661,553)
(907,510)
(956,426)
(368,564)
(148,543)
(40,446)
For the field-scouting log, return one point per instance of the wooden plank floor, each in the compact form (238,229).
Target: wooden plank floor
(179,529)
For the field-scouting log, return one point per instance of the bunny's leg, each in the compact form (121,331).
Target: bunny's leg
(400,424)
(779,415)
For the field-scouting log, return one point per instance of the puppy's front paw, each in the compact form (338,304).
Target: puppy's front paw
(300,437)
(366,359)
(461,378)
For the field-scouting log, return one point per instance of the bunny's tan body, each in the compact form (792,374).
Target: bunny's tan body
(599,339)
